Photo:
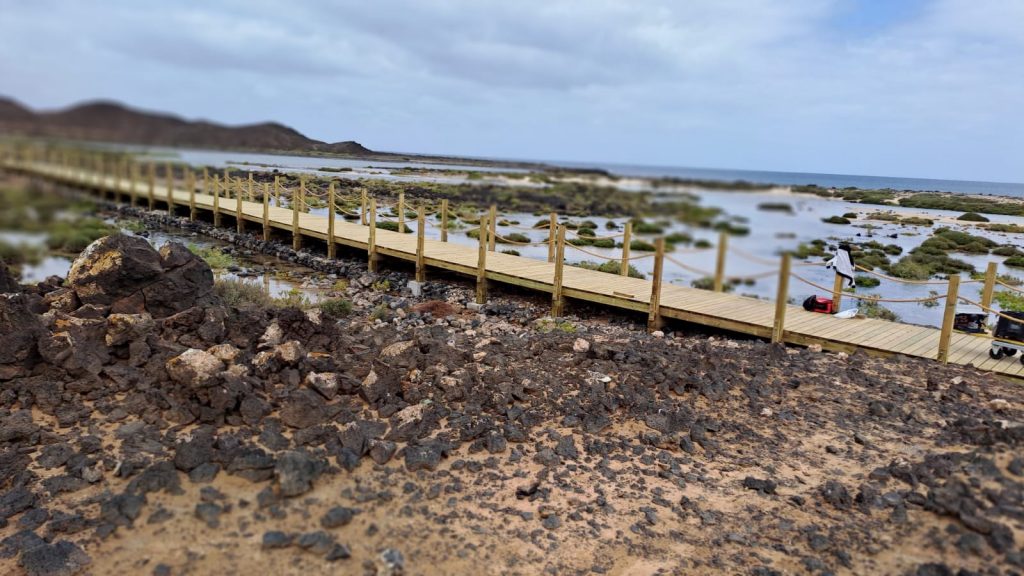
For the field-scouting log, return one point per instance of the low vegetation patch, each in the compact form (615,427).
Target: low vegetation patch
(213,256)
(611,267)
(836,220)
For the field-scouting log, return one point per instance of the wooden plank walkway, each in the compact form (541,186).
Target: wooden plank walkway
(720,310)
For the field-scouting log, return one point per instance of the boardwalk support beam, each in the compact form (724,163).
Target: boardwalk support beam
(654,321)
(444,220)
(481,263)
(947,318)
(557,298)
(723,245)
(626,239)
(371,243)
(266,212)
(990,285)
(779,325)
(421,262)
(330,220)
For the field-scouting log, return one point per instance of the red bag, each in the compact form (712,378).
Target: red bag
(819,304)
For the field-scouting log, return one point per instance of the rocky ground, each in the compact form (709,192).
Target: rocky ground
(146,427)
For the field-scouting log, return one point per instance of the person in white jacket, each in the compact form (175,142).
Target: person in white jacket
(843,263)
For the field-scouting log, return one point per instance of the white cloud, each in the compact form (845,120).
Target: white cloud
(755,83)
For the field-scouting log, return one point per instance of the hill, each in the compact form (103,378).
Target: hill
(114,122)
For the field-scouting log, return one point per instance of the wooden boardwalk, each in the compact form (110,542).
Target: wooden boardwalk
(720,310)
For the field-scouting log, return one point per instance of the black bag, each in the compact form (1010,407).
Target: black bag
(1008,329)
(970,323)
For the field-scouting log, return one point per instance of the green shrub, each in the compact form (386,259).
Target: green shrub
(239,293)
(916,221)
(908,269)
(642,246)
(708,283)
(336,307)
(73,237)
(604,243)
(864,281)
(16,255)
(510,252)
(611,267)
(292,299)
(512,237)
(641,227)
(1015,261)
(850,215)
(678,238)
(775,207)
(835,220)
(731,229)
(392,226)
(1007,250)
(702,243)
(213,256)
(883,216)
(873,309)
(1009,301)
(1011,228)
(972,217)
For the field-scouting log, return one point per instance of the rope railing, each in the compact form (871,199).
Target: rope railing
(1010,286)
(868,297)
(685,266)
(605,257)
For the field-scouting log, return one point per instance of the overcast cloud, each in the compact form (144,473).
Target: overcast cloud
(929,88)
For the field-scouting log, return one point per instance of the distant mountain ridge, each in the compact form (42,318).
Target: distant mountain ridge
(114,122)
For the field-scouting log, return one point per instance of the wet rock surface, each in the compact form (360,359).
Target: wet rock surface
(143,430)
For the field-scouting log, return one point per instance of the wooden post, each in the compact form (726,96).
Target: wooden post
(948,317)
(239,209)
(297,198)
(206,181)
(170,188)
(362,208)
(190,181)
(266,212)
(557,300)
(277,191)
(552,232)
(136,176)
(421,263)
(626,239)
(371,246)
(493,221)
(152,186)
(780,300)
(444,220)
(990,285)
(481,263)
(654,309)
(216,201)
(837,292)
(249,194)
(330,220)
(723,245)
(401,212)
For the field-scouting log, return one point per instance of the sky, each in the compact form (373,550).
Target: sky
(917,88)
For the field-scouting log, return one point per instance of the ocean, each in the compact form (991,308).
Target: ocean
(800,178)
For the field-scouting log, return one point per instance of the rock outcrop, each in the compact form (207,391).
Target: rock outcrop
(128,275)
